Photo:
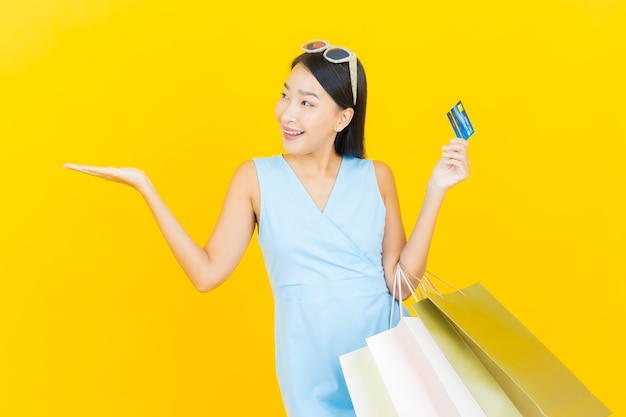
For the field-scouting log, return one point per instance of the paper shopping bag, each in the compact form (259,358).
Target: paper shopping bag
(410,369)
(368,393)
(535,380)
(485,389)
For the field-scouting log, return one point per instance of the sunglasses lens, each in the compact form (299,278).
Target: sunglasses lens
(336,54)
(314,45)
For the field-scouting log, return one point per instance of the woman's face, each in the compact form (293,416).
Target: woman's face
(307,114)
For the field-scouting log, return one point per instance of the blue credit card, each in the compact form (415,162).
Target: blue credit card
(460,122)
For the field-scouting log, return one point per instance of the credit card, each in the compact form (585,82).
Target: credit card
(460,122)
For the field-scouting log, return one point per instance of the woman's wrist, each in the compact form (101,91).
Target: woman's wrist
(144,186)
(433,191)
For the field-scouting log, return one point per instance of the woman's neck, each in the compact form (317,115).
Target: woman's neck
(316,165)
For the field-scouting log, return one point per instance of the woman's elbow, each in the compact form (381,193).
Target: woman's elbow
(204,287)
(205,284)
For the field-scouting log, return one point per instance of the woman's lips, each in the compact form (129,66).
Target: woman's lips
(291,134)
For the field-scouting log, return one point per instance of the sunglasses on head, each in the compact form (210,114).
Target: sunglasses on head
(336,55)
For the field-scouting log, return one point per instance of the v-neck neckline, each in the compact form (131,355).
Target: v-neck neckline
(324,209)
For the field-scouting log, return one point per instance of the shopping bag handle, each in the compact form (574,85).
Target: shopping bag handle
(399,276)
(425,287)
(442,280)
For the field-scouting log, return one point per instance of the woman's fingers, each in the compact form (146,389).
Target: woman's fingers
(456,145)
(99,171)
(456,149)
(129,176)
(107,173)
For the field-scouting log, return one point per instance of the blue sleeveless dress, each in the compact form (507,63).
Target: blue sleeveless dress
(326,274)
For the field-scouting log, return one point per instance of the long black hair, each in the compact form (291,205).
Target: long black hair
(335,79)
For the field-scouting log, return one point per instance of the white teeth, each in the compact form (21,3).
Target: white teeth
(292,133)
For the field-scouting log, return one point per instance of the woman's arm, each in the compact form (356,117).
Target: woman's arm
(452,168)
(210,266)
(394,238)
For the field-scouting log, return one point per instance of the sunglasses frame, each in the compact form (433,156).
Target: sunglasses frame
(350,59)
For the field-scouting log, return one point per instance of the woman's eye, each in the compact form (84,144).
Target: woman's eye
(283,95)
(307,103)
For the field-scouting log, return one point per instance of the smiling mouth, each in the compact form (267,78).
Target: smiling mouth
(292,132)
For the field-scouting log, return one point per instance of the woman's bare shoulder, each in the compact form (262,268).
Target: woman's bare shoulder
(384,174)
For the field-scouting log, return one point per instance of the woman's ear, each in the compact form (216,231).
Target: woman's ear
(344,119)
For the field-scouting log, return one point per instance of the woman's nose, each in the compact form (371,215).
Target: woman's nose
(289,112)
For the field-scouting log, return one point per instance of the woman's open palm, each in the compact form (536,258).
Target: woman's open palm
(132,177)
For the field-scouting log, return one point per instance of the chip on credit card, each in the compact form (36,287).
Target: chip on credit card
(460,122)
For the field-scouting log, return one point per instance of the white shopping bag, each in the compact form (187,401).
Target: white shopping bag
(367,389)
(402,372)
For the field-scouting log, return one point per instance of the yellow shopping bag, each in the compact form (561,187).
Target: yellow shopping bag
(534,379)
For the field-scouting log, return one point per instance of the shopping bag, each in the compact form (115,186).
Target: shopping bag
(402,372)
(368,393)
(535,380)
(481,384)
(485,389)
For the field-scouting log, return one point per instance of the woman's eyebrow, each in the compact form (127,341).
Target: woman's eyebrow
(303,92)
(308,93)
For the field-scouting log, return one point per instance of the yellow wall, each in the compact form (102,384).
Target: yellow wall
(96,317)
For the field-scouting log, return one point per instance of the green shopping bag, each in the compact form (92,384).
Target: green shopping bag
(535,380)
